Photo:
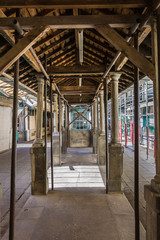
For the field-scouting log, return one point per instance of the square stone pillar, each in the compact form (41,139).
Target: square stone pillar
(101,149)
(39,184)
(152,213)
(115,167)
(115,148)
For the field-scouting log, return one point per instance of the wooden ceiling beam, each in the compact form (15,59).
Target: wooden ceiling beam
(77,88)
(21,47)
(71,22)
(133,55)
(76,70)
(63,4)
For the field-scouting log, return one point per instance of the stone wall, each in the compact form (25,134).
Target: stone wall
(80,138)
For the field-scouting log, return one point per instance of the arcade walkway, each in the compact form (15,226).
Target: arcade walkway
(70,213)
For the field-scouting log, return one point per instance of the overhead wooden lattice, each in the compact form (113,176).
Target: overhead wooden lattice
(61,44)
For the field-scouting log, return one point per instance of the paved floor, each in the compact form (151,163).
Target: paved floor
(76,176)
(76,214)
(147,171)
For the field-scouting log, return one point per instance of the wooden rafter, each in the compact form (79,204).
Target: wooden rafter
(133,55)
(10,38)
(123,59)
(21,47)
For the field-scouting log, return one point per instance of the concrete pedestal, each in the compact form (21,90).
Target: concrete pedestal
(101,150)
(95,142)
(64,141)
(153,213)
(39,183)
(115,167)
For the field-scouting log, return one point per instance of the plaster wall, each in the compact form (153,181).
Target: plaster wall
(5,128)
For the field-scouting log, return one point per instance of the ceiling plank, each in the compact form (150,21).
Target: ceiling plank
(133,55)
(75,22)
(21,47)
(69,4)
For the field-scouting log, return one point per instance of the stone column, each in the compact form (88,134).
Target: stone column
(39,118)
(26,131)
(39,165)
(55,110)
(64,133)
(56,156)
(62,113)
(101,137)
(95,132)
(102,126)
(152,191)
(115,148)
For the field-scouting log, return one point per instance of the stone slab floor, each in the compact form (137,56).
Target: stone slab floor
(76,214)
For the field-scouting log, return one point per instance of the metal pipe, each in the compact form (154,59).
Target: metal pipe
(14,144)
(136,150)
(147,128)
(97,131)
(51,112)
(45,99)
(18,27)
(59,104)
(106,127)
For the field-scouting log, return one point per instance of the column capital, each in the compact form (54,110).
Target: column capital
(115,75)
(39,76)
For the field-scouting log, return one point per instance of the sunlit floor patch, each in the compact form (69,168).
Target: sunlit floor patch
(76,176)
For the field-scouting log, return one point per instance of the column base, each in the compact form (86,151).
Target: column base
(101,150)
(153,213)
(95,142)
(115,167)
(39,185)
